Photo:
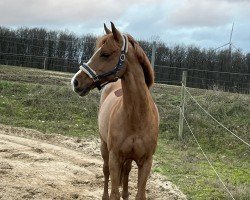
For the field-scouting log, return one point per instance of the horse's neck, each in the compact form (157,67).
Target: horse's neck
(136,96)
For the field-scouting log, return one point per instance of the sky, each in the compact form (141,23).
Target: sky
(204,23)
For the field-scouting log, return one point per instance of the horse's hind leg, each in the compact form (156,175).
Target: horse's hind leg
(125,174)
(143,173)
(105,156)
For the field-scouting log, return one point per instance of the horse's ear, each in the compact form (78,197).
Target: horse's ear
(106,29)
(117,35)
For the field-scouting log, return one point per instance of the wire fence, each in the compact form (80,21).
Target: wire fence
(62,60)
(47,39)
(206,157)
(165,77)
(214,117)
(182,115)
(204,79)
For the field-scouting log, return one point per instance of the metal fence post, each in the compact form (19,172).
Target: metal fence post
(183,93)
(153,54)
(44,63)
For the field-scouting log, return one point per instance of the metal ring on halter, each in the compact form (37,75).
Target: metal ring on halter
(122,57)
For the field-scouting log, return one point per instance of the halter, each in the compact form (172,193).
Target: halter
(96,78)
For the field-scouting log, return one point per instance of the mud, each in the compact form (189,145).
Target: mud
(34,165)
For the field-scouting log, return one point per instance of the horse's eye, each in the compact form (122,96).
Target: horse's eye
(105,55)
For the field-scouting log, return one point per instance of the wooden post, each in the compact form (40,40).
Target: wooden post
(44,63)
(153,54)
(183,93)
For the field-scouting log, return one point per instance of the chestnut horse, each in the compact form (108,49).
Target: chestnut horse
(128,117)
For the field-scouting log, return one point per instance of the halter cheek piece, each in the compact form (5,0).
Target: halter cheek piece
(97,78)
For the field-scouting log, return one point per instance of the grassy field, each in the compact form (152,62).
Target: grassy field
(43,100)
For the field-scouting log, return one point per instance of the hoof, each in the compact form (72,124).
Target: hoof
(105,197)
(125,195)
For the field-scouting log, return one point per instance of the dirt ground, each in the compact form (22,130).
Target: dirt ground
(34,165)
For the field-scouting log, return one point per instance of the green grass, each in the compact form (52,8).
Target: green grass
(44,101)
(48,108)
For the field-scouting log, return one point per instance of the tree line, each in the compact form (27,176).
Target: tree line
(63,51)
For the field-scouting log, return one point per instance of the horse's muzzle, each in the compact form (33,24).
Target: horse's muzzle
(83,91)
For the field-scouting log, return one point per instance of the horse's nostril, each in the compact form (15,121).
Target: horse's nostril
(75,83)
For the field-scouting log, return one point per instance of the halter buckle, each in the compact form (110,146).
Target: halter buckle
(122,57)
(95,78)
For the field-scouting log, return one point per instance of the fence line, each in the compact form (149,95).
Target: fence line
(213,117)
(41,62)
(63,68)
(209,82)
(216,80)
(205,86)
(201,70)
(175,82)
(31,45)
(159,70)
(36,46)
(156,65)
(206,156)
(29,55)
(46,40)
(37,76)
(25,98)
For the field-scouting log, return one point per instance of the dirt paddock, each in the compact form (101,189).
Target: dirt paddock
(34,165)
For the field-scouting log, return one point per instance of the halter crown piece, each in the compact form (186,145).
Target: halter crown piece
(96,78)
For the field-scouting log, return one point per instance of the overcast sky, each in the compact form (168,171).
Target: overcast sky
(205,23)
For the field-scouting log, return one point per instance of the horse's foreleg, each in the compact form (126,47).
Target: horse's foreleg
(143,173)
(126,169)
(105,156)
(115,173)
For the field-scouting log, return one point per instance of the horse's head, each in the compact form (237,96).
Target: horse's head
(106,65)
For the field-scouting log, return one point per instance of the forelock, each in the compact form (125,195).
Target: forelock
(106,39)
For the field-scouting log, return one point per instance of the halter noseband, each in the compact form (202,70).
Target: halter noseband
(96,78)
